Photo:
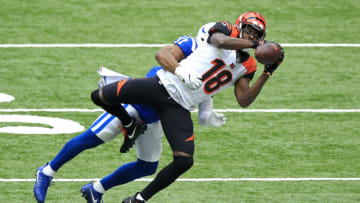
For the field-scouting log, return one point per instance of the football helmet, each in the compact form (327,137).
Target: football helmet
(252,21)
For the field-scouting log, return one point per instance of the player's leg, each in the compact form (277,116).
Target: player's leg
(148,150)
(181,140)
(133,91)
(104,129)
(106,97)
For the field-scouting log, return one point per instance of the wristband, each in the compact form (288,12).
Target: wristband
(255,44)
(267,73)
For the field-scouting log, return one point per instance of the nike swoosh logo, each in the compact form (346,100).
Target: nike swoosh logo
(37,176)
(132,135)
(92,196)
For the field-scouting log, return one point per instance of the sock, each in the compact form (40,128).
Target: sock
(73,147)
(49,171)
(167,176)
(129,172)
(98,187)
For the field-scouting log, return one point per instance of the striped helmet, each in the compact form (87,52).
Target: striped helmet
(253,19)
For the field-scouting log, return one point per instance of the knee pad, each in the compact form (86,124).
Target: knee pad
(183,163)
(95,97)
(98,98)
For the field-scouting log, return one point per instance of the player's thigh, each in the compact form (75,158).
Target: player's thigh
(178,128)
(148,146)
(134,91)
(106,127)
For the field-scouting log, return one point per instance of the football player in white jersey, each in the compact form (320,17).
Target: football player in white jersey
(180,86)
(107,127)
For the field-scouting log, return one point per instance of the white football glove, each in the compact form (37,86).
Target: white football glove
(191,81)
(216,119)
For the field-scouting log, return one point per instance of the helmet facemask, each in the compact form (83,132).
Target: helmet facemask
(252,30)
(252,23)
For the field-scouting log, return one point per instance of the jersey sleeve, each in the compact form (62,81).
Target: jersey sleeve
(224,27)
(248,62)
(187,44)
(152,71)
(250,65)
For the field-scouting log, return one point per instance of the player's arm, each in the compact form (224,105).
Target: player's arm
(169,56)
(224,35)
(222,41)
(245,95)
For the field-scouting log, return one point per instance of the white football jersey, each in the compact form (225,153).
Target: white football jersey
(216,67)
(203,34)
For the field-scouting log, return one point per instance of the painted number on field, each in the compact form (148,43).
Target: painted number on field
(57,125)
(6,98)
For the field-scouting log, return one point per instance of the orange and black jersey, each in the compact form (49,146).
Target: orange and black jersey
(247,61)
(243,57)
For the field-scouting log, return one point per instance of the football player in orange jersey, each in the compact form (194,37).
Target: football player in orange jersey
(218,63)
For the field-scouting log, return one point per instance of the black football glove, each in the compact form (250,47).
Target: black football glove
(270,68)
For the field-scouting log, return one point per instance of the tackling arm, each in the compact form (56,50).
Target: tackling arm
(245,94)
(169,56)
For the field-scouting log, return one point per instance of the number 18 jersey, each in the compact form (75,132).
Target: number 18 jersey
(216,67)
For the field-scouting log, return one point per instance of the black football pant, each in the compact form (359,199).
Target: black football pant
(175,120)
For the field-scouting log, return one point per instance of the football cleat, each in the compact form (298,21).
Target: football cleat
(42,183)
(132,199)
(131,134)
(91,195)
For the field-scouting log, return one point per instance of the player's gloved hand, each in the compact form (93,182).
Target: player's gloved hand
(257,43)
(216,119)
(191,81)
(270,68)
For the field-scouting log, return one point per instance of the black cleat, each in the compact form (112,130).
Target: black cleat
(132,199)
(131,134)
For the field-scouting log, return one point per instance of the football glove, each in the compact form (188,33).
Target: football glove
(216,119)
(270,68)
(191,81)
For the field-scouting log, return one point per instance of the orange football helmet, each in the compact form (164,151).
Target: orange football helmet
(254,20)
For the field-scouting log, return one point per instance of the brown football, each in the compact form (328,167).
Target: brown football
(268,53)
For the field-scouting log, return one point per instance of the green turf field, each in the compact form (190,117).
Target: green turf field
(250,145)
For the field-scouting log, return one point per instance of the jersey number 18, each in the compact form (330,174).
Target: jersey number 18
(214,81)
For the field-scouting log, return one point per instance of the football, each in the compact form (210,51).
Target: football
(268,53)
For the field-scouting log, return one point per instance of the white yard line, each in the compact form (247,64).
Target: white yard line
(79,45)
(198,179)
(218,110)
(101,45)
(51,110)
